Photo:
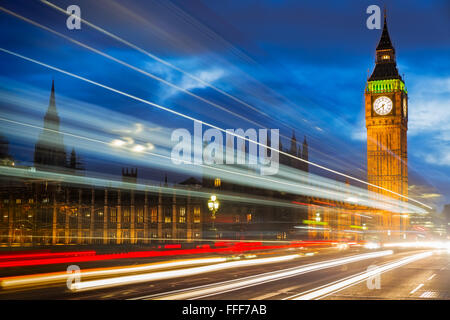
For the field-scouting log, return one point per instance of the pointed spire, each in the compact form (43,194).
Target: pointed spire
(51,119)
(293,149)
(305,155)
(385,62)
(52,103)
(49,149)
(73,159)
(385,40)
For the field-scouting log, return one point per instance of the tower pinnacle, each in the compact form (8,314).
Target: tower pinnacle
(385,62)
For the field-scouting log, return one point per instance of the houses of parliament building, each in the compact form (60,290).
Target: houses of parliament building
(53,211)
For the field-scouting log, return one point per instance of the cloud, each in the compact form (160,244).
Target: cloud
(441,156)
(429,104)
(430,195)
(209,75)
(359,132)
(429,118)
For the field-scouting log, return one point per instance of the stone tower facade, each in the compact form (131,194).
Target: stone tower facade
(386,113)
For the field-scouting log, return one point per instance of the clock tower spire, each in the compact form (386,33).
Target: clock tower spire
(386,110)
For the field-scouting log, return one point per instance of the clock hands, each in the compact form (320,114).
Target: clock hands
(382,105)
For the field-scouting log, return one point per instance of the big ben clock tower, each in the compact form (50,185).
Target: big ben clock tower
(386,106)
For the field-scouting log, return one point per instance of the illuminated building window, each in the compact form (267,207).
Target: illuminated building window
(249,217)
(385,57)
(113,214)
(217,182)
(196,214)
(126,215)
(5,200)
(18,201)
(30,201)
(167,215)
(236,219)
(140,215)
(182,218)
(154,215)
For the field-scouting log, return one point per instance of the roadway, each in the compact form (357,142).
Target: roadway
(316,274)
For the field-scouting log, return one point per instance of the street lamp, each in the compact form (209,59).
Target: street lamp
(318,217)
(213,206)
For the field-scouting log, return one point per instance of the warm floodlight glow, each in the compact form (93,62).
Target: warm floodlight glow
(138,148)
(117,143)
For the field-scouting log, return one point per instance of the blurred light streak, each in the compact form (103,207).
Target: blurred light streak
(154,57)
(372,245)
(105,283)
(148,74)
(347,282)
(418,244)
(166,63)
(110,183)
(199,121)
(312,228)
(56,277)
(301,189)
(254,180)
(417,288)
(237,284)
(46,255)
(234,248)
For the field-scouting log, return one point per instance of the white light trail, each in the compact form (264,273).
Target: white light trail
(118,281)
(170,65)
(199,121)
(347,282)
(40,279)
(417,288)
(237,284)
(418,244)
(235,175)
(123,63)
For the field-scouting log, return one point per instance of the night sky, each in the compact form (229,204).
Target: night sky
(297,65)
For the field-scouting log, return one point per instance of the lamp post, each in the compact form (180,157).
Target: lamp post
(213,206)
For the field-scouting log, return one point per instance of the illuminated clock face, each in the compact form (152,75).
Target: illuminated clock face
(382,105)
(404,107)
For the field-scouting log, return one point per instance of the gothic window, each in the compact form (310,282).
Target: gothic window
(140,215)
(154,215)
(182,215)
(196,214)
(113,214)
(126,215)
(167,215)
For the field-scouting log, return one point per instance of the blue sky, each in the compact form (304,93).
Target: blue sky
(301,64)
